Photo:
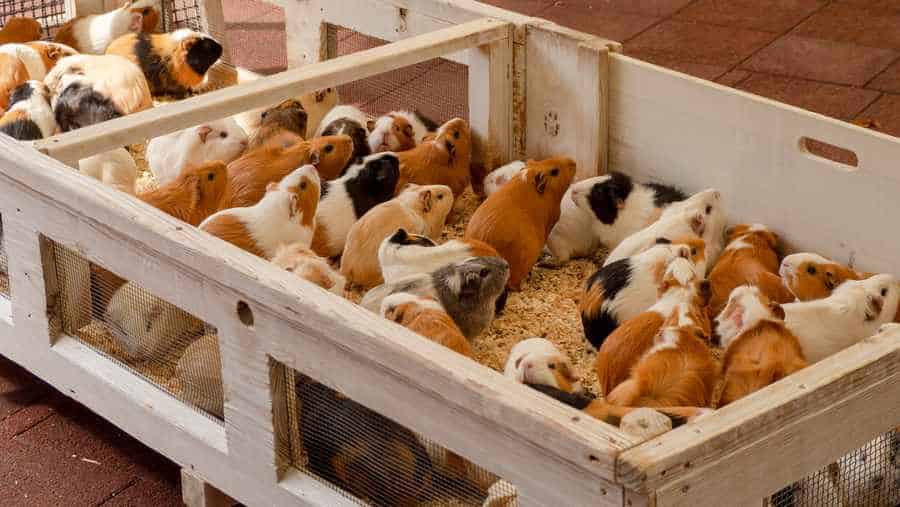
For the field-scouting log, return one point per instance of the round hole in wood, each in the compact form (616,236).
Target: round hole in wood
(245,313)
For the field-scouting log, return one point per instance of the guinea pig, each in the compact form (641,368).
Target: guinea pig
(199,371)
(443,160)
(20,30)
(299,259)
(174,63)
(759,348)
(316,104)
(168,155)
(27,61)
(403,254)
(383,464)
(419,209)
(501,494)
(426,317)
(349,121)
(194,195)
(346,199)
(286,214)
(146,326)
(612,207)
(399,131)
(498,177)
(115,168)
(518,217)
(749,258)
(92,34)
(702,215)
(538,361)
(625,288)
(810,276)
(89,89)
(854,311)
(288,116)
(468,290)
(29,116)
(249,175)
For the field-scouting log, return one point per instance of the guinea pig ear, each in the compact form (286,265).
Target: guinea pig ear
(830,280)
(320,95)
(427,201)
(698,223)
(294,206)
(203,131)
(314,158)
(53,52)
(540,182)
(777,310)
(704,290)
(136,23)
(408,131)
(370,125)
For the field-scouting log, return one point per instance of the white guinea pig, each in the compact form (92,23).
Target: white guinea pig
(496,178)
(538,361)
(221,140)
(200,372)
(115,168)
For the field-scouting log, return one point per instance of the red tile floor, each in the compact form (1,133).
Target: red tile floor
(840,58)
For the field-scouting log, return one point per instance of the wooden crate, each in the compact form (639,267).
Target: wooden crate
(535,89)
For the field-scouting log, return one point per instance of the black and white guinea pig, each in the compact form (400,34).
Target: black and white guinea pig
(29,116)
(349,121)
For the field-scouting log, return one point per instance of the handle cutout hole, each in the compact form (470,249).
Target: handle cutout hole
(842,156)
(245,313)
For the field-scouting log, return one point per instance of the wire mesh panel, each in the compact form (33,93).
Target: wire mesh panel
(181,14)
(4,273)
(161,343)
(867,477)
(49,13)
(369,457)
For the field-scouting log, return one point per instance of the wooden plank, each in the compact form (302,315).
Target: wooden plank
(303,25)
(195,492)
(775,436)
(490,107)
(593,125)
(73,146)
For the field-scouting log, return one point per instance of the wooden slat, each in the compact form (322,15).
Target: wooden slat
(592,124)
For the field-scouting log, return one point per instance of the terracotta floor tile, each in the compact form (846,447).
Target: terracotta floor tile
(698,43)
(18,388)
(708,72)
(527,7)
(646,7)
(25,419)
(617,26)
(891,5)
(734,77)
(887,81)
(237,11)
(886,111)
(147,493)
(821,60)
(878,28)
(776,16)
(840,102)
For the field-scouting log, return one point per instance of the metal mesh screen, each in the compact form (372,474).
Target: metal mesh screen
(867,477)
(4,273)
(159,342)
(181,14)
(370,458)
(49,13)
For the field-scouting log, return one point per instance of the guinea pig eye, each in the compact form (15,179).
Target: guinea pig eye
(552,366)
(811,270)
(302,185)
(289,269)
(329,148)
(485,272)
(223,135)
(554,171)
(708,210)
(146,11)
(210,176)
(456,135)
(264,114)
(440,197)
(694,251)
(883,292)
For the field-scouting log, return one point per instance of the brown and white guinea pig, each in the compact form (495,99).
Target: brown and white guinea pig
(194,195)
(287,116)
(199,371)
(443,160)
(621,290)
(603,211)
(250,175)
(168,155)
(498,177)
(538,361)
(624,347)
(20,30)
(92,34)
(701,214)
(810,276)
(403,254)
(29,116)
(346,199)
(399,131)
(146,326)
(750,257)
(468,290)
(854,311)
(89,89)
(115,168)
(759,349)
(425,316)
(299,259)
(349,121)
(518,217)
(419,209)
(286,214)
(27,61)
(174,63)
(385,465)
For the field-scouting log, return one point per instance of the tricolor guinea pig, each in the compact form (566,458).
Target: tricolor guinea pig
(611,207)
(199,372)
(20,30)
(419,209)
(89,89)
(810,276)
(444,159)
(518,217)
(426,317)
(399,131)
(349,121)
(759,349)
(174,63)
(403,254)
(621,290)
(498,177)
(92,34)
(537,361)
(194,195)
(168,155)
(854,311)
(27,61)
(29,116)
(749,258)
(346,199)
(286,214)
(298,259)
(115,168)
(287,117)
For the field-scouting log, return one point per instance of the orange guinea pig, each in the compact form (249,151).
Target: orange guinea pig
(426,317)
(810,276)
(517,219)
(443,160)
(20,30)
(194,195)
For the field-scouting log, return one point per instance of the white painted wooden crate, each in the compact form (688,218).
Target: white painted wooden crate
(535,89)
